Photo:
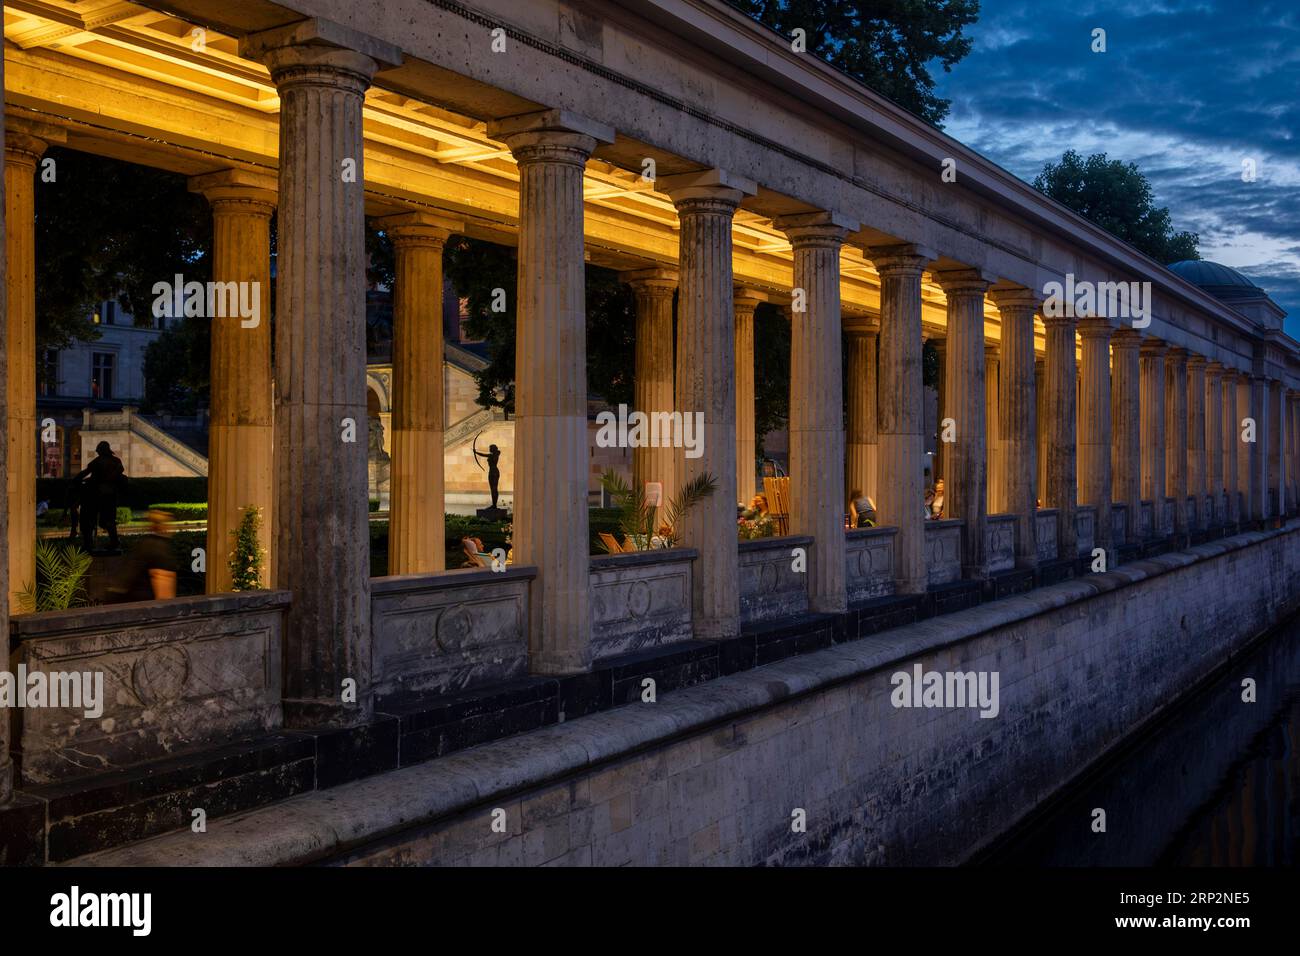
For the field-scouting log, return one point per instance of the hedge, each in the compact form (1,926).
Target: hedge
(138,494)
(184,510)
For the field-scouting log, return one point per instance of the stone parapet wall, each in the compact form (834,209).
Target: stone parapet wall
(1047,543)
(178,676)
(770,588)
(712,774)
(869,563)
(640,601)
(943,551)
(445,632)
(1000,547)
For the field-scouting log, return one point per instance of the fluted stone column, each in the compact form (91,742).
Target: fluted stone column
(1126,428)
(941,393)
(1293,440)
(240,434)
(860,429)
(417,514)
(746,443)
(1260,504)
(1246,467)
(322,542)
(23,150)
(1277,467)
(653,383)
(1154,484)
(1197,471)
(6,764)
(1214,437)
(1061,386)
(1040,424)
(966,461)
(550,524)
(1231,444)
(1018,395)
(901,420)
(1176,436)
(1095,479)
(993,446)
(817,404)
(706,382)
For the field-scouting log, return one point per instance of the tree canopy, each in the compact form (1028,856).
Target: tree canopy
(1116,196)
(889,45)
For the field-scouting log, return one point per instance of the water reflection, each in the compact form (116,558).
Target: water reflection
(1217,783)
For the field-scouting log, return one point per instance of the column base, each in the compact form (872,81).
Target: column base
(22,831)
(310,713)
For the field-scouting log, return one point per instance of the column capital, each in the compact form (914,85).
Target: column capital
(1176,356)
(1196,362)
(27,139)
(1016,299)
(419,228)
(827,229)
(319,52)
(1153,348)
(1094,327)
(559,136)
(964,282)
(1059,322)
(746,300)
(706,188)
(1214,369)
(902,259)
(1126,338)
(1232,375)
(992,350)
(243,186)
(652,282)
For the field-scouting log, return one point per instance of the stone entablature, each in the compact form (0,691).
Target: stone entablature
(869,563)
(770,588)
(178,676)
(943,550)
(445,632)
(1047,547)
(1000,535)
(640,601)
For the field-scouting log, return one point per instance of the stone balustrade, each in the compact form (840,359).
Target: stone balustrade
(943,550)
(1168,509)
(770,588)
(1145,523)
(869,563)
(450,630)
(1085,524)
(177,676)
(640,601)
(1119,523)
(1047,542)
(1000,546)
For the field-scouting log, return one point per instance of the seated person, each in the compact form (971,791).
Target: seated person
(936,506)
(862,510)
(757,508)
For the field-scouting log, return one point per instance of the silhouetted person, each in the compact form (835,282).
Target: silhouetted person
(150,572)
(494,474)
(102,480)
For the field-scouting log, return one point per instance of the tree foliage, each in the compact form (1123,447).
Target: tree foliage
(1116,196)
(889,45)
(178,367)
(109,230)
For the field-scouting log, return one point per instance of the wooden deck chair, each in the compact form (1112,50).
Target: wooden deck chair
(629,545)
(610,542)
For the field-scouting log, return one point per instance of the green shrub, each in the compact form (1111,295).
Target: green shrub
(61,571)
(184,510)
(374,505)
(246,558)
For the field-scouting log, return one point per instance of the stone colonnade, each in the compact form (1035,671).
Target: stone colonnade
(1138,426)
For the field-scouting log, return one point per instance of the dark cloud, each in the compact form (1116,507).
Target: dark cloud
(1186,90)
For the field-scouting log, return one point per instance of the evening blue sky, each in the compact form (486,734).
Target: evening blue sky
(1187,90)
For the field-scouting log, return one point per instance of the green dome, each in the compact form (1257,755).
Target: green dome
(1219,280)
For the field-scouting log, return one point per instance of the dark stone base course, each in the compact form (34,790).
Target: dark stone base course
(128,805)
(125,806)
(1054,572)
(1007,583)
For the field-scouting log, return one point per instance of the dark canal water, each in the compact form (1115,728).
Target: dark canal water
(1216,783)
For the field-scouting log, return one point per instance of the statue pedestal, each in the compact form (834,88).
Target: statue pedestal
(493,514)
